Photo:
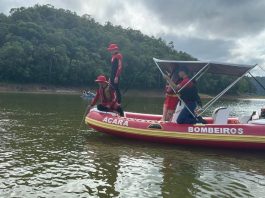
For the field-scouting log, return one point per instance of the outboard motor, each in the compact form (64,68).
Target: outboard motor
(254,116)
(258,118)
(262,113)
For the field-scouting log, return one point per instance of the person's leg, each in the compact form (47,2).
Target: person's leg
(171,108)
(120,111)
(168,108)
(185,117)
(101,107)
(191,119)
(169,114)
(118,92)
(164,113)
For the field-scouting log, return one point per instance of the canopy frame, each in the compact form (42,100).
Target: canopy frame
(213,100)
(199,74)
(175,91)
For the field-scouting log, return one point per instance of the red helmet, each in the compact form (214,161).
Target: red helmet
(101,78)
(113,46)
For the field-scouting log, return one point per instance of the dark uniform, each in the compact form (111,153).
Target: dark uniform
(190,96)
(116,69)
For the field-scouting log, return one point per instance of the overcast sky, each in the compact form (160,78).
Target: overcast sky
(220,30)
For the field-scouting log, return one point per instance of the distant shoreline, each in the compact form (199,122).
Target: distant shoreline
(51,89)
(39,88)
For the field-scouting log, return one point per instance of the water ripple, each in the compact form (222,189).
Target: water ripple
(44,154)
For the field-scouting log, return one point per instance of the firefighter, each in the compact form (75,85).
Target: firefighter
(171,99)
(106,96)
(116,69)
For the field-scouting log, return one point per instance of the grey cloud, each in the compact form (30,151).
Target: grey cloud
(108,8)
(202,48)
(223,18)
(7,5)
(74,5)
(112,9)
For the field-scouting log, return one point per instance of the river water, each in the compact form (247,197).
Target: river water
(43,153)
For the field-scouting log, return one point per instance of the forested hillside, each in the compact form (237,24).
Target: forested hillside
(45,45)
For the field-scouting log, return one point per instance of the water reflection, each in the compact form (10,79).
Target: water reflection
(154,170)
(179,177)
(103,177)
(122,170)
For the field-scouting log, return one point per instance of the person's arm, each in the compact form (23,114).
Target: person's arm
(183,83)
(94,101)
(170,82)
(168,89)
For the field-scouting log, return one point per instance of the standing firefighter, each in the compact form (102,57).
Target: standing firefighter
(189,95)
(116,68)
(171,99)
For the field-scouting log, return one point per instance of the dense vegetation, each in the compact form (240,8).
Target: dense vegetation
(45,45)
(259,85)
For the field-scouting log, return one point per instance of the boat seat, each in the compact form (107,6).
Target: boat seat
(245,119)
(220,115)
(260,122)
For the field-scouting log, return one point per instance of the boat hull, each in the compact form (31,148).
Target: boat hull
(147,127)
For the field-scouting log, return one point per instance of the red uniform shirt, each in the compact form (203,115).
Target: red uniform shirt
(184,82)
(107,97)
(171,100)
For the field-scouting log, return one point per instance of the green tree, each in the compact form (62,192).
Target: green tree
(41,44)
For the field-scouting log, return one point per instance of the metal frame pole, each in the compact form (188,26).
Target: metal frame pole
(174,90)
(194,77)
(210,103)
(261,68)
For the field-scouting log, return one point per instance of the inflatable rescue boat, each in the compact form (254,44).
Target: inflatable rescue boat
(219,130)
(148,127)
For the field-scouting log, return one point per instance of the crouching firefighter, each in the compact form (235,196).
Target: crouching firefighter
(106,96)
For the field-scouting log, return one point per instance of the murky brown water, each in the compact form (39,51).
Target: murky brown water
(44,154)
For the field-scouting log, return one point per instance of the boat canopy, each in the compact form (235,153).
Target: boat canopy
(199,68)
(212,67)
